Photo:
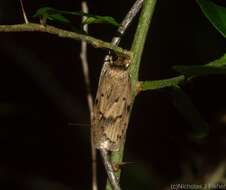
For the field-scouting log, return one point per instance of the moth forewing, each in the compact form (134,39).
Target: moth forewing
(112,105)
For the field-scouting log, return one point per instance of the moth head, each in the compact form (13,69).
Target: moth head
(119,62)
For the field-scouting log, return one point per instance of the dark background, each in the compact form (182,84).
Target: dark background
(42,91)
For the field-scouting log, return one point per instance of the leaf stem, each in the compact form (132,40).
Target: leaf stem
(159,84)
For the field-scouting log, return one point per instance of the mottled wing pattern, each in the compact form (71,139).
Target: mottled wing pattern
(112,105)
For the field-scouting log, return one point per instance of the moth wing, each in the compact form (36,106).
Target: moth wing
(111,110)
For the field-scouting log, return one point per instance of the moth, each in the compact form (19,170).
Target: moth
(112,104)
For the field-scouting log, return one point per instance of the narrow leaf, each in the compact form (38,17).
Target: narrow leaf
(59,18)
(101,19)
(215,13)
(92,18)
(58,15)
(215,67)
(44,11)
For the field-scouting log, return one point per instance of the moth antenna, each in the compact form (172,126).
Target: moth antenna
(127,163)
(79,124)
(124,164)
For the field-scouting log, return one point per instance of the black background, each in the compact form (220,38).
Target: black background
(42,91)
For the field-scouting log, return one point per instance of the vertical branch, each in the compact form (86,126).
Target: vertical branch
(85,68)
(140,37)
(117,157)
(137,50)
(24,13)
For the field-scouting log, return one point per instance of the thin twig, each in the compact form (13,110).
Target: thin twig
(127,21)
(33,27)
(79,124)
(24,13)
(85,68)
(110,171)
(116,158)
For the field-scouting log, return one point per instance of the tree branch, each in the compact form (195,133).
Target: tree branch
(33,27)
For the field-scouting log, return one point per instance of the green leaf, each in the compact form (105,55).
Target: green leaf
(215,13)
(49,13)
(185,106)
(44,11)
(215,67)
(100,19)
(92,18)
(59,18)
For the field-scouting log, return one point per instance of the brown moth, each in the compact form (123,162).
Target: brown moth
(113,103)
